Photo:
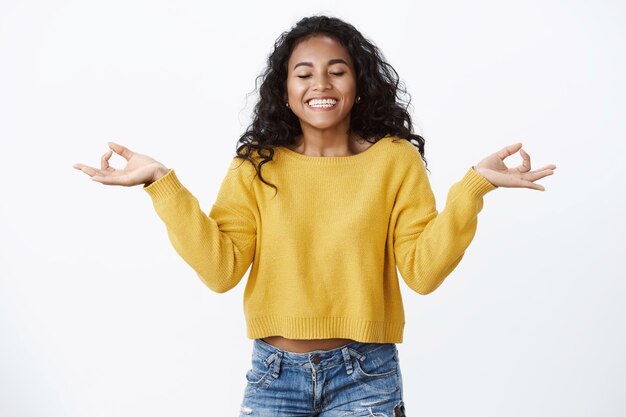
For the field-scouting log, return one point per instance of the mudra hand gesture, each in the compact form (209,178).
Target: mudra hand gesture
(494,170)
(140,169)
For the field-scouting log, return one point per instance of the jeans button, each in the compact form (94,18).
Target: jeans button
(315,359)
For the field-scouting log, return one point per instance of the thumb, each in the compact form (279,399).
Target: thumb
(121,150)
(509,150)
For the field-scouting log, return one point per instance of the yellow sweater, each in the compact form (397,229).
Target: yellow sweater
(324,249)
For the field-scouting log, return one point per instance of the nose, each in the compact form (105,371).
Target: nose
(321,83)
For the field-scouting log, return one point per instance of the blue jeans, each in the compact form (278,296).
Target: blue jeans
(357,379)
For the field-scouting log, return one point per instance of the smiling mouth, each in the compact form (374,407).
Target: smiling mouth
(321,104)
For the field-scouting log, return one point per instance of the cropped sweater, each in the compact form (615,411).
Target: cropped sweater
(326,247)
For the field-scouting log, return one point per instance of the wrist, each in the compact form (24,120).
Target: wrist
(481,172)
(159,173)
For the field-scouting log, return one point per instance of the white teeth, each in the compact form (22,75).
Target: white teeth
(321,103)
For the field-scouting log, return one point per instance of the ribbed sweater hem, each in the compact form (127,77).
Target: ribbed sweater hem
(325,328)
(476,184)
(165,187)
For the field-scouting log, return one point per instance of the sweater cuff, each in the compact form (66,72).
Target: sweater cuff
(476,184)
(164,188)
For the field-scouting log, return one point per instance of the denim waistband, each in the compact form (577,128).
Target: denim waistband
(357,349)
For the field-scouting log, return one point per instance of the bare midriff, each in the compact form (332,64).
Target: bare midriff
(305,345)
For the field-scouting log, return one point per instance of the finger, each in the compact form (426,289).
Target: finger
(104,161)
(525,167)
(110,179)
(121,150)
(509,150)
(551,166)
(522,183)
(537,175)
(87,169)
(538,187)
(522,179)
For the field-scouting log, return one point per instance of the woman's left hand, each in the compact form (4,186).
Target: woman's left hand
(494,170)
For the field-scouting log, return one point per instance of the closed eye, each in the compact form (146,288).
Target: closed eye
(339,74)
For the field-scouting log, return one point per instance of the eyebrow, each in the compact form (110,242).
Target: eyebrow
(331,62)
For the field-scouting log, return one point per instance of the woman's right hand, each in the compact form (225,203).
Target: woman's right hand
(140,169)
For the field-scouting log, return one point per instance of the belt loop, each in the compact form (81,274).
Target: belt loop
(277,361)
(347,359)
(268,361)
(357,355)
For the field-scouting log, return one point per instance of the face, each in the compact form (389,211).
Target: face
(321,84)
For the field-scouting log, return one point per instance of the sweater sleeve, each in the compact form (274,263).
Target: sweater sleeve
(219,246)
(428,245)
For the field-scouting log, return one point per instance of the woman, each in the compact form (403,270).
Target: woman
(327,195)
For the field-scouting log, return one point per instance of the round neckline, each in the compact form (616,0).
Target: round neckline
(330,160)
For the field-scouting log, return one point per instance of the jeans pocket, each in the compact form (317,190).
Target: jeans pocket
(378,369)
(259,376)
(256,377)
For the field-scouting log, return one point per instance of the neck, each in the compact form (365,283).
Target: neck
(331,142)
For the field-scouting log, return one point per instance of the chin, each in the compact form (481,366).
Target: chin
(325,125)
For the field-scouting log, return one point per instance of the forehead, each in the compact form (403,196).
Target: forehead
(321,48)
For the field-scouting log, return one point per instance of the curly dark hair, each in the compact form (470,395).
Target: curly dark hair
(382,109)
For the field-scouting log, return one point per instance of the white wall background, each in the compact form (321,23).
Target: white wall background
(100,317)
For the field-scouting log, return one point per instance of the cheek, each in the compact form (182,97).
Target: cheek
(294,89)
(349,87)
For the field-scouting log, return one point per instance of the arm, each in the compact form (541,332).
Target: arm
(219,247)
(428,245)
